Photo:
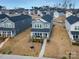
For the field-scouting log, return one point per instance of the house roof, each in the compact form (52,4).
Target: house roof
(40,19)
(3,16)
(15,18)
(72,19)
(47,18)
(20,17)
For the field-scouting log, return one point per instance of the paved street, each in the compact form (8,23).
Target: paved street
(20,57)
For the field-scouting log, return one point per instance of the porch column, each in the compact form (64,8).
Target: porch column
(1,33)
(78,36)
(6,34)
(11,34)
(42,35)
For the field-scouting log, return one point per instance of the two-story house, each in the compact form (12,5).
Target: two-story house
(68,13)
(42,27)
(11,26)
(72,26)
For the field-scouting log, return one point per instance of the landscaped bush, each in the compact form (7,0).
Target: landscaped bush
(64,57)
(7,51)
(76,44)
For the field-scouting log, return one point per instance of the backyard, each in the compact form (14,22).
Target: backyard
(60,44)
(21,45)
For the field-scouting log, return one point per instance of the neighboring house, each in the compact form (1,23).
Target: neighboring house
(56,14)
(42,27)
(29,12)
(39,13)
(72,26)
(77,14)
(68,13)
(11,26)
(61,14)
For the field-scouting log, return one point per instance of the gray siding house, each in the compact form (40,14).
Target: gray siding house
(11,26)
(42,27)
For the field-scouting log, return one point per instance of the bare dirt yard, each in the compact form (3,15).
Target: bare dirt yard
(20,45)
(60,44)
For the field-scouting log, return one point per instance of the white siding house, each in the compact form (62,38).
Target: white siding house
(68,13)
(41,28)
(5,28)
(78,14)
(56,14)
(39,13)
(11,26)
(72,26)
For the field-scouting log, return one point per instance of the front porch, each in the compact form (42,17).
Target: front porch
(39,37)
(7,33)
(75,35)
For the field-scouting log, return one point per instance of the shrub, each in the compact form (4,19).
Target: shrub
(7,51)
(64,57)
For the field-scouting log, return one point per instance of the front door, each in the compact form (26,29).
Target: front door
(45,35)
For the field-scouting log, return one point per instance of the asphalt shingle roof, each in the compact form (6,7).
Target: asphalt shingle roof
(72,19)
(20,17)
(15,18)
(3,16)
(48,18)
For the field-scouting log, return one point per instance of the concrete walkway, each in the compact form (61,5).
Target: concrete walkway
(1,45)
(43,49)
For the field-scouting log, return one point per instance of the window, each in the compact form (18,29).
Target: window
(35,33)
(75,36)
(45,35)
(0,34)
(35,25)
(46,25)
(40,26)
(38,34)
(76,27)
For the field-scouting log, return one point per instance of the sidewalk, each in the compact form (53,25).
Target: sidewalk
(1,45)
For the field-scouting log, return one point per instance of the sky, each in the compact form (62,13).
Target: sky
(29,3)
